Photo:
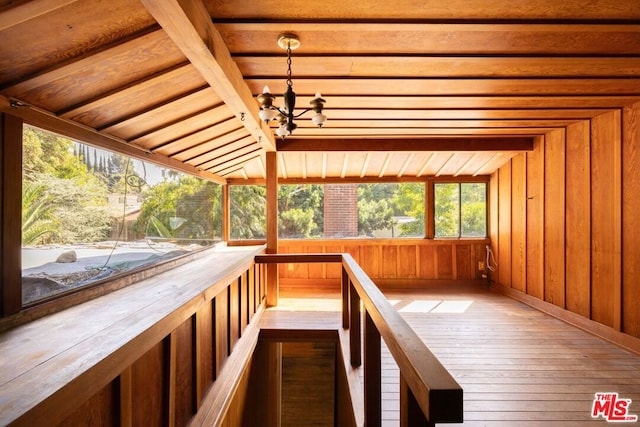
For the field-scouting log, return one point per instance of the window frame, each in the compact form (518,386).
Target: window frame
(432,202)
(12,311)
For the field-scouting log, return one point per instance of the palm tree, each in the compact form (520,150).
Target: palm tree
(36,214)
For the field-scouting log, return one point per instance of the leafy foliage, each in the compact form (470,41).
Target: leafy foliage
(248,211)
(300,211)
(460,210)
(37,222)
(184,207)
(68,197)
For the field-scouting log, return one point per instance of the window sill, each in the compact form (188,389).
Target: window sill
(42,357)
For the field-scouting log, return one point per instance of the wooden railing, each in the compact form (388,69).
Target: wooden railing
(155,353)
(428,393)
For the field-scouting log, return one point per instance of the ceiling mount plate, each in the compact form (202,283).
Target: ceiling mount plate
(288,40)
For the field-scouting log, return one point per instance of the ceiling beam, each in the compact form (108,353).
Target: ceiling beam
(189,26)
(414,144)
(28,10)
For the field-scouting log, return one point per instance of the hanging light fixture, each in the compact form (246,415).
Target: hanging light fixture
(284,115)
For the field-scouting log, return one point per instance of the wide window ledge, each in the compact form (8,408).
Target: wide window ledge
(45,355)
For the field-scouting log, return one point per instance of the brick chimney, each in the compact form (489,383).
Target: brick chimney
(340,210)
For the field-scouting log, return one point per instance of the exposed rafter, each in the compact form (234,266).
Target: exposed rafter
(189,25)
(414,144)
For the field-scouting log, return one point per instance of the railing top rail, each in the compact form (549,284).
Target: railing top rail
(298,258)
(435,390)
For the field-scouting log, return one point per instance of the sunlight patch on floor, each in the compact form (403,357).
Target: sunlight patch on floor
(436,306)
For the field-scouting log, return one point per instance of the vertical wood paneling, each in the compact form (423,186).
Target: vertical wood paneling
(464,261)
(631,221)
(234,314)
(222,329)
(554,218)
(243,303)
(535,219)
(504,226)
(264,396)
(494,219)
(184,386)
(206,355)
(445,262)
(389,261)
(578,219)
(99,410)
(251,287)
(370,260)
(308,384)
(334,270)
(427,262)
(125,388)
(406,267)
(606,286)
(519,222)
(316,271)
(149,388)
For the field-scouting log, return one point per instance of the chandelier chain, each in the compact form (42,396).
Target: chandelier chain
(289,82)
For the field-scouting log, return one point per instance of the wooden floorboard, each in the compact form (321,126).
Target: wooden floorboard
(517,365)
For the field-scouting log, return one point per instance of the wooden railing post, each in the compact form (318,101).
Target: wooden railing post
(411,414)
(355,337)
(346,283)
(372,373)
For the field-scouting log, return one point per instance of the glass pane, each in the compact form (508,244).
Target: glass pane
(248,212)
(474,209)
(447,210)
(300,211)
(391,210)
(89,214)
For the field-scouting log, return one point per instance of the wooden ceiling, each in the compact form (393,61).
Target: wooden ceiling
(413,88)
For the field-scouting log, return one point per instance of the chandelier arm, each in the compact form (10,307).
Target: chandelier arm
(298,115)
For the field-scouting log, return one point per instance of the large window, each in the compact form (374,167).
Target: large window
(89,214)
(460,209)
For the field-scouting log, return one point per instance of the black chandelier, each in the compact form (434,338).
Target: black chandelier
(285,115)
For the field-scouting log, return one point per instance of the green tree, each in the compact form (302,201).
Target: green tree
(374,215)
(447,209)
(76,199)
(474,209)
(184,208)
(296,223)
(409,201)
(248,211)
(375,208)
(300,211)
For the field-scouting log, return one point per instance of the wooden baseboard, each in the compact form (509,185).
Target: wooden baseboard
(618,338)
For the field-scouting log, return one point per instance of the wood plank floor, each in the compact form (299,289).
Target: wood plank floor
(517,366)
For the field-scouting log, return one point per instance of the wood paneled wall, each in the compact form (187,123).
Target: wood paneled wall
(166,385)
(567,220)
(388,262)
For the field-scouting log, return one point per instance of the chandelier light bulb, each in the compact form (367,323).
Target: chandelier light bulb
(319,119)
(266,89)
(267,114)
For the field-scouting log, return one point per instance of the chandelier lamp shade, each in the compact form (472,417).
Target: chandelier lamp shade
(285,114)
